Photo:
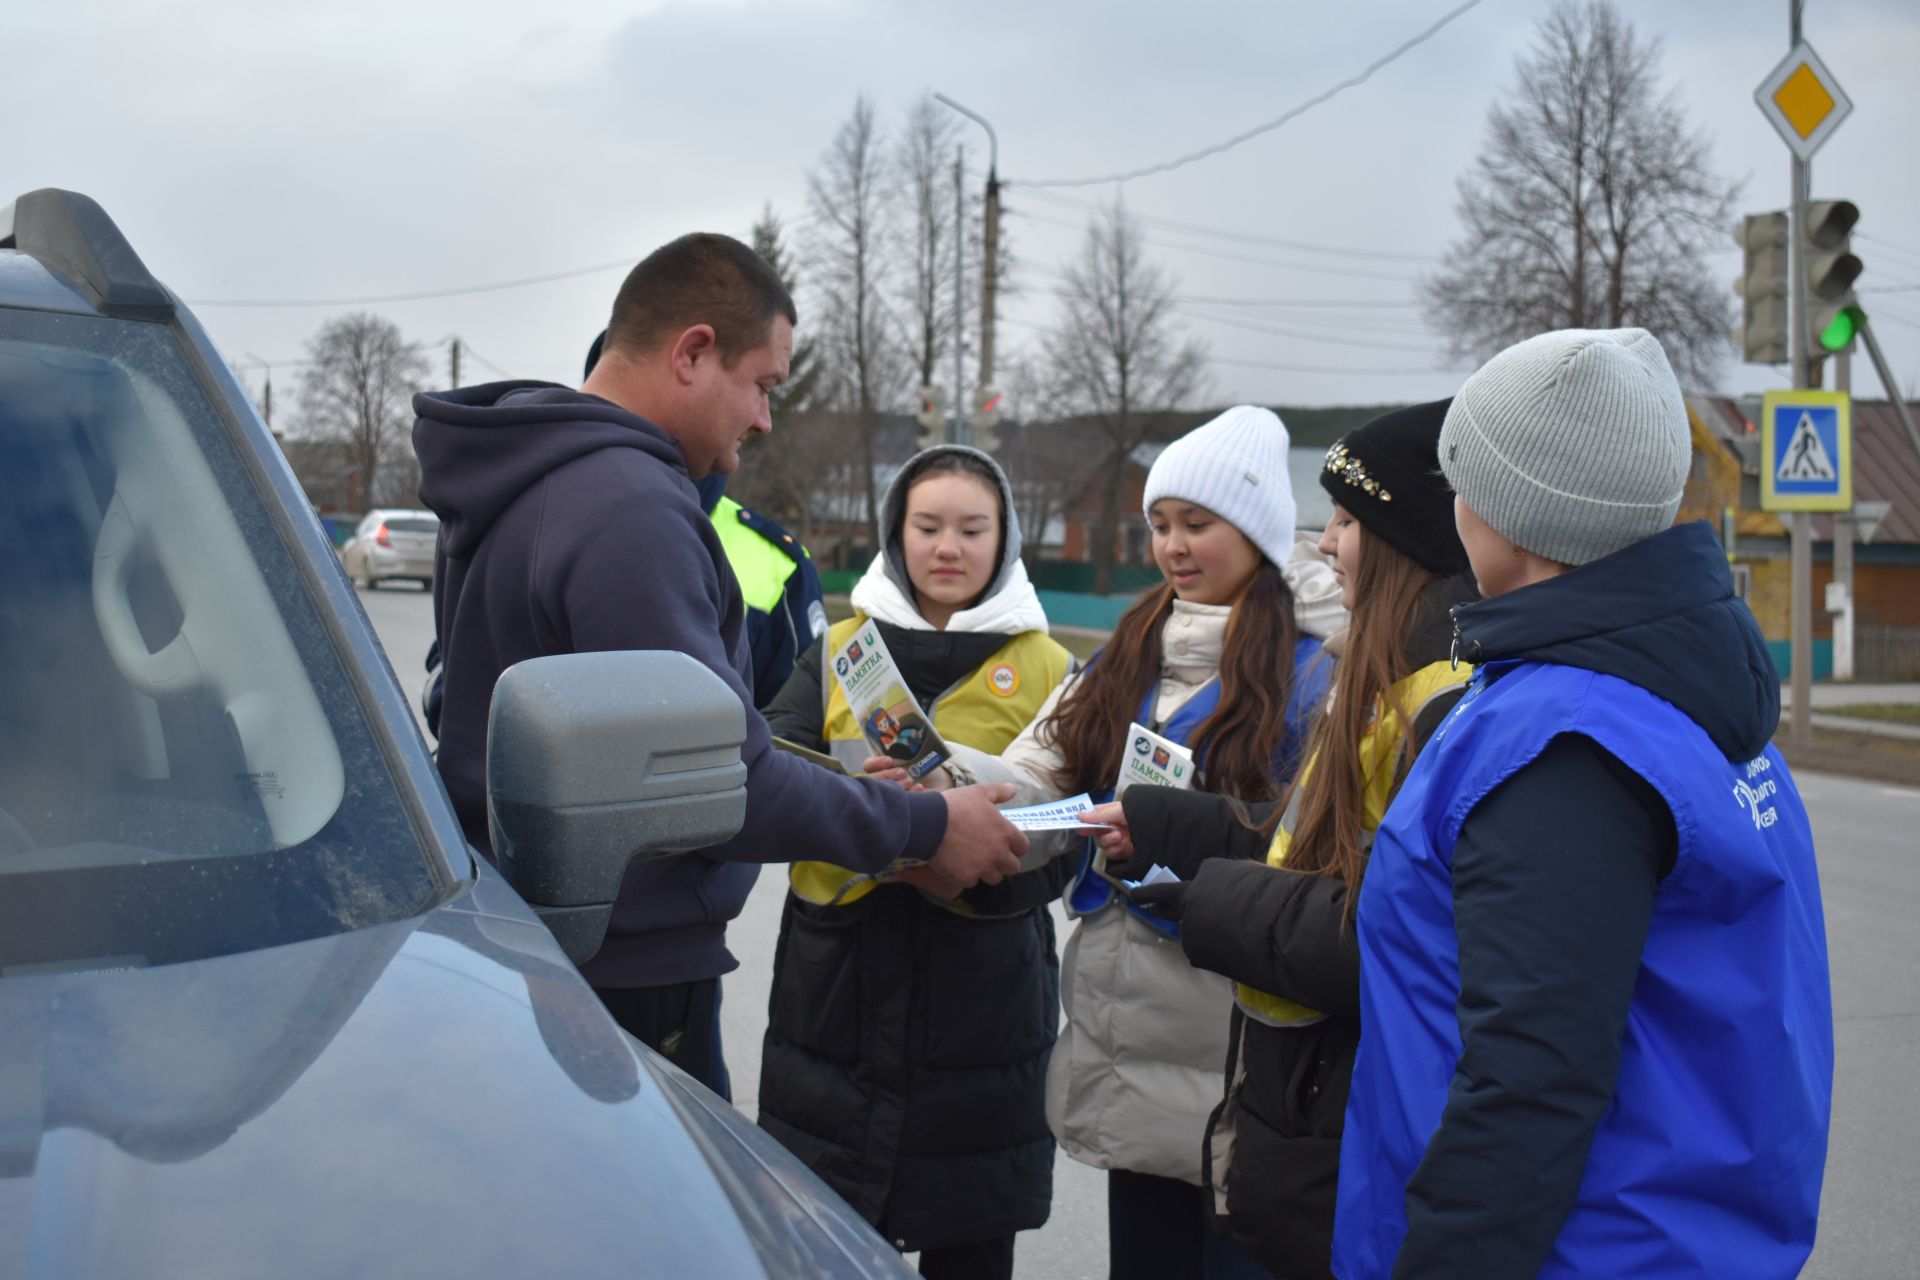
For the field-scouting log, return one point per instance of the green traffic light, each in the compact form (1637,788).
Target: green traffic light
(1843,329)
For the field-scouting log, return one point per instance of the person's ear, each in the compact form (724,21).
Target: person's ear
(690,348)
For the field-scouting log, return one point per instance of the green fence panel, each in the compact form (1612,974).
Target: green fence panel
(1782,651)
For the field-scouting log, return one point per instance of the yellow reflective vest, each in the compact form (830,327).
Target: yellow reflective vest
(1381,748)
(986,711)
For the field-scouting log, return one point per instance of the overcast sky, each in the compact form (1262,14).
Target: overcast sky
(285,153)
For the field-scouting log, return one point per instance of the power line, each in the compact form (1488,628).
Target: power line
(1240,237)
(1207,251)
(1268,127)
(1334,369)
(423,295)
(1281,331)
(1357,370)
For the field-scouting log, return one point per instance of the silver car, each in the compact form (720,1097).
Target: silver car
(392,542)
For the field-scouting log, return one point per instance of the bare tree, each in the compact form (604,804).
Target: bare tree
(924,160)
(846,267)
(798,392)
(1118,359)
(1592,205)
(358,393)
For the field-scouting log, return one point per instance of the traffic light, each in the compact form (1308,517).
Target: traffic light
(1763,286)
(1833,312)
(933,416)
(983,417)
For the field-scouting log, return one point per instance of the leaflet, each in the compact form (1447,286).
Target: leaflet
(1154,761)
(886,712)
(1055,815)
(809,754)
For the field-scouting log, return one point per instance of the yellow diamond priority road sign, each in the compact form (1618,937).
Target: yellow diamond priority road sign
(1803,100)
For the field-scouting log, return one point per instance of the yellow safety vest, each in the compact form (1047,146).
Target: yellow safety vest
(1380,751)
(986,711)
(760,567)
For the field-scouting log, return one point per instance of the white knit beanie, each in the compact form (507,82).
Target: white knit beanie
(1235,467)
(1572,444)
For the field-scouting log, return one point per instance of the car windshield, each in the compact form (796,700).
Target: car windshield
(184,768)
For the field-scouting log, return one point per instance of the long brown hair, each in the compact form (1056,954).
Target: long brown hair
(1388,591)
(1244,733)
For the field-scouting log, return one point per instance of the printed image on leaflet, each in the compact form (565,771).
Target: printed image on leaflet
(897,728)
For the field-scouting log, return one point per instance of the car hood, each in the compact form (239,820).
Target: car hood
(441,1096)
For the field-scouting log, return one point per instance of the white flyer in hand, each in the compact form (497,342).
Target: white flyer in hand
(1154,761)
(886,712)
(1056,815)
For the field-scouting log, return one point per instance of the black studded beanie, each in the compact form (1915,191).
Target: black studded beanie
(1387,476)
(1573,444)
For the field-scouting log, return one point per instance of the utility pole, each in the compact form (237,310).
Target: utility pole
(266,391)
(1843,533)
(990,279)
(453,356)
(962,427)
(990,266)
(1800,733)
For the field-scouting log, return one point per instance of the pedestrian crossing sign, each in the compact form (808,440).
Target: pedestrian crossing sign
(1806,451)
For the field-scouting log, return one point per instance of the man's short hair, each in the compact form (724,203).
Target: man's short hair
(702,278)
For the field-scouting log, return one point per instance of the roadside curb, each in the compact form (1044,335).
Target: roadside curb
(1874,758)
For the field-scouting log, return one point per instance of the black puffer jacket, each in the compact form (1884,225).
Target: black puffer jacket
(1289,933)
(906,1051)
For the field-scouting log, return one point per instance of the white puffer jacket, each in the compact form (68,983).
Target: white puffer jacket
(1140,1061)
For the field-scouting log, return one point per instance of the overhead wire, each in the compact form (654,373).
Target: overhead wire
(1207,251)
(1218,147)
(1241,237)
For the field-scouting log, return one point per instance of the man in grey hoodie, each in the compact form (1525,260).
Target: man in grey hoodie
(570,523)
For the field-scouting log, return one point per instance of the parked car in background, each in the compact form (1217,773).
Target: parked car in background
(263,1011)
(392,543)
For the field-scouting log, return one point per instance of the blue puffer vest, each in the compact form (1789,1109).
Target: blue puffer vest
(1709,1161)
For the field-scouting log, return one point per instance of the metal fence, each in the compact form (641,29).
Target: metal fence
(1886,653)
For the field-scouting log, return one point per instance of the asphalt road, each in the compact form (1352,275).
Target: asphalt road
(1870,875)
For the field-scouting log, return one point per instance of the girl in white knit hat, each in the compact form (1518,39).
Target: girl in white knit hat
(1223,657)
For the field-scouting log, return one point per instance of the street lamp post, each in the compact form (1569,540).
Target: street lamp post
(988,273)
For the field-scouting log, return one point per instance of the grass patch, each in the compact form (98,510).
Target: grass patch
(1890,712)
(1856,755)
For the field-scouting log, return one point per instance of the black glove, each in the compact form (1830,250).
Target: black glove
(1167,900)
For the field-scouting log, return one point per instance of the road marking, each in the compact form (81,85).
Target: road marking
(1908,792)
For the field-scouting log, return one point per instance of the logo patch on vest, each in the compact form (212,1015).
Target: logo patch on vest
(1004,679)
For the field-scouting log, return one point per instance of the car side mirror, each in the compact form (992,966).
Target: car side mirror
(595,759)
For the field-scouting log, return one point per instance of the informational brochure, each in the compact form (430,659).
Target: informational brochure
(1148,760)
(1055,815)
(887,713)
(809,754)
(1154,761)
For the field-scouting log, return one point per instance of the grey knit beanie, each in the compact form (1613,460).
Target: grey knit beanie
(1236,467)
(1573,444)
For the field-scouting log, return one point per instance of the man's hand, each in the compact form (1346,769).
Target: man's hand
(980,846)
(1116,839)
(931,882)
(887,769)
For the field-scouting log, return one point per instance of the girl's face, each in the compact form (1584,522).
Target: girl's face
(1207,560)
(1341,544)
(950,539)
(1498,565)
